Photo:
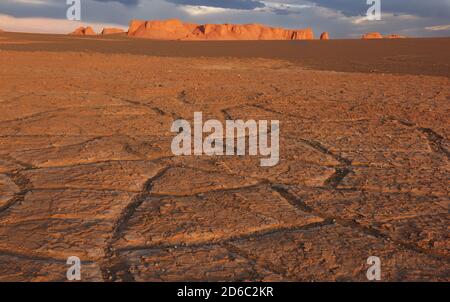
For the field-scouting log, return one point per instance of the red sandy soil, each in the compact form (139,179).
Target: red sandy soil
(86,167)
(398,56)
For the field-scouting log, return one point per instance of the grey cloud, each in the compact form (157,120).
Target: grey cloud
(424,8)
(234,4)
(50,9)
(124,2)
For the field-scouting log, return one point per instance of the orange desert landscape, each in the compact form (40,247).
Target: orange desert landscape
(87,169)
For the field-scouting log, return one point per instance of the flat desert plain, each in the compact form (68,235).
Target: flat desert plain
(86,167)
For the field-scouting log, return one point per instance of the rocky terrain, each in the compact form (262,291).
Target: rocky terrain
(86,167)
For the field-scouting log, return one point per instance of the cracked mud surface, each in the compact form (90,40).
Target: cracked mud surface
(86,170)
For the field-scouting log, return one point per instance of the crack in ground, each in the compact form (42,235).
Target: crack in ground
(267,265)
(96,163)
(435,140)
(340,172)
(319,147)
(112,266)
(211,243)
(182,97)
(38,257)
(337,177)
(24,165)
(63,146)
(228,244)
(226,114)
(32,117)
(367,230)
(23,184)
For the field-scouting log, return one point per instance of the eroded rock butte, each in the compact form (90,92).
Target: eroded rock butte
(177,30)
(324,36)
(84,31)
(110,31)
(394,36)
(372,35)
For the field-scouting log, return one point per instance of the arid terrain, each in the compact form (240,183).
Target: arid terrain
(86,167)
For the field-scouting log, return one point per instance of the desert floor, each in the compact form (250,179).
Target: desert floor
(86,167)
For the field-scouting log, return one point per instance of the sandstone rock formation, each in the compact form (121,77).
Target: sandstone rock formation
(394,36)
(324,36)
(110,31)
(376,35)
(134,26)
(372,35)
(160,30)
(177,30)
(83,31)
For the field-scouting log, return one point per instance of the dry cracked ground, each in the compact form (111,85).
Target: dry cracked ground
(86,170)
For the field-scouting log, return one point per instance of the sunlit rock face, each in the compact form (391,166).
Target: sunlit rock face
(111,31)
(394,36)
(83,31)
(177,30)
(324,36)
(372,35)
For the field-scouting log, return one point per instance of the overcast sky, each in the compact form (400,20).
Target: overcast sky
(341,18)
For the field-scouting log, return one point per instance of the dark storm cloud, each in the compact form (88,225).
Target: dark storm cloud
(423,8)
(235,4)
(48,8)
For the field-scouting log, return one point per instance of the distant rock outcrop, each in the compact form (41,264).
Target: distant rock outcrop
(83,31)
(324,36)
(177,30)
(111,31)
(160,30)
(376,35)
(372,35)
(394,36)
(134,26)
